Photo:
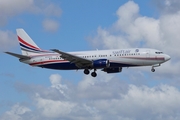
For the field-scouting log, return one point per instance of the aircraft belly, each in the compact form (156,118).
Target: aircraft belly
(60,66)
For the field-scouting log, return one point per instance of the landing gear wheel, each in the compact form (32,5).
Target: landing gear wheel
(86,71)
(153,70)
(93,74)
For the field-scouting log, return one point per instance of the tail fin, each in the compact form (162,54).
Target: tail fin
(28,46)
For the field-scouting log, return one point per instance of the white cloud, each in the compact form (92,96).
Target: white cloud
(52,10)
(102,100)
(7,40)
(55,79)
(156,100)
(143,102)
(133,30)
(50,25)
(106,40)
(9,8)
(169,27)
(167,6)
(53,109)
(15,113)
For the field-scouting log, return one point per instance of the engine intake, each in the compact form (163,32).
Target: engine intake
(101,63)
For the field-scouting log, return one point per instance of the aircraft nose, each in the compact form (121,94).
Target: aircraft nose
(167,57)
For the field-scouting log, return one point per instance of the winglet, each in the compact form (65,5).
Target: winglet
(55,50)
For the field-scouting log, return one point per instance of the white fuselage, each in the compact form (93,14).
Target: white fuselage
(110,61)
(116,57)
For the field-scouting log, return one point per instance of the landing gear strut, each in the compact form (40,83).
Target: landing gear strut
(152,69)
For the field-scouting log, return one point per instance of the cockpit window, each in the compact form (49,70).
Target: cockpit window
(159,52)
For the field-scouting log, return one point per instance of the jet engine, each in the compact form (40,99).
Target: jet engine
(101,63)
(112,70)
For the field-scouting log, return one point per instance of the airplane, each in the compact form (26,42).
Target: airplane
(109,61)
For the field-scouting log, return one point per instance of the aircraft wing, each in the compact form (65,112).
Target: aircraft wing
(79,61)
(18,55)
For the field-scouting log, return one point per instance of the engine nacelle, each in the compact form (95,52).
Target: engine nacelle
(101,63)
(112,70)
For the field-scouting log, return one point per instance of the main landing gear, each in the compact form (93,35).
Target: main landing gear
(93,74)
(86,71)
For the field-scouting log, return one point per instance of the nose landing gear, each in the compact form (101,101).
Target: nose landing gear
(152,69)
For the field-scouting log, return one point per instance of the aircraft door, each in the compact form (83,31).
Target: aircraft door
(147,53)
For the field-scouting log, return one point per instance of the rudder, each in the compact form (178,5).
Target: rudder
(28,46)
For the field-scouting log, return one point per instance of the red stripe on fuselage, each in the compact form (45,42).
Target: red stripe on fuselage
(43,54)
(145,58)
(45,62)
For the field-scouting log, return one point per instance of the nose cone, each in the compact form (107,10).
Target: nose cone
(167,57)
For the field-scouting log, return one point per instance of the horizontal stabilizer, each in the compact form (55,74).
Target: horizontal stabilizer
(18,55)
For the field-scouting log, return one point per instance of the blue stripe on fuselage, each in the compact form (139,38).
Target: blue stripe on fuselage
(60,66)
(72,66)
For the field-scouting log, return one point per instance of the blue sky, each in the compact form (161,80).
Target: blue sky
(36,93)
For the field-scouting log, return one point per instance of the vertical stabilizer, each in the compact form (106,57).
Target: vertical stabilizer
(28,46)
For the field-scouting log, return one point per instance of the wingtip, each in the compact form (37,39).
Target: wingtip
(6,52)
(53,50)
